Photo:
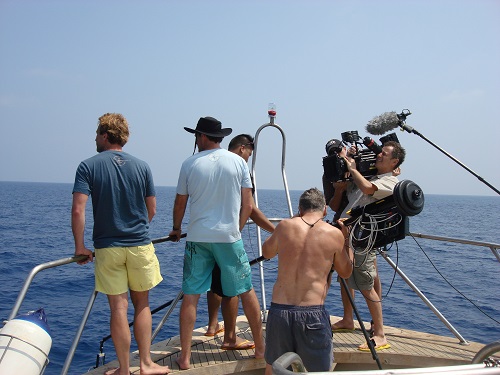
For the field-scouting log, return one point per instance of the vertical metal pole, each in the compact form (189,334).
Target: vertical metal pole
(495,252)
(256,198)
(424,298)
(369,342)
(167,314)
(72,350)
(32,274)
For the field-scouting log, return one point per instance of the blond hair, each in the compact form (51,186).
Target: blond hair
(116,126)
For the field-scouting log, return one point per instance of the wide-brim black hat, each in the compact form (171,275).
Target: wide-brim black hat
(210,126)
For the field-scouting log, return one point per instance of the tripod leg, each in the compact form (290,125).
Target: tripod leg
(370,342)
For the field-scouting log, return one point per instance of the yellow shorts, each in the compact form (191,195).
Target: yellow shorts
(118,269)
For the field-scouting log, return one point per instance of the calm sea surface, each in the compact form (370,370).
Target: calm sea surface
(462,281)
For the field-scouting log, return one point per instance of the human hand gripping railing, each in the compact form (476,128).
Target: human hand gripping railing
(57,263)
(32,274)
(75,259)
(69,357)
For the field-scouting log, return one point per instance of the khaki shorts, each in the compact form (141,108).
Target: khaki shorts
(118,269)
(364,272)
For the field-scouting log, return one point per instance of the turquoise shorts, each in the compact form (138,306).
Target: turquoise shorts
(199,261)
(118,269)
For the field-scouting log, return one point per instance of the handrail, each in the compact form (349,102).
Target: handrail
(287,193)
(286,360)
(429,304)
(494,247)
(293,359)
(60,262)
(175,301)
(32,274)
(57,263)
(78,335)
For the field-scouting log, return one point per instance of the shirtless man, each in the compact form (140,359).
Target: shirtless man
(309,249)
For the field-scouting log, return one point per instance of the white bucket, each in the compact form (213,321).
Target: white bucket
(24,347)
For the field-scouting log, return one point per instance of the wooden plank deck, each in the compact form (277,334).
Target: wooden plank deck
(408,349)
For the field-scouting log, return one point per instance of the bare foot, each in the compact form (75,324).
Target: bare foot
(154,369)
(238,344)
(183,365)
(342,324)
(211,331)
(380,342)
(259,353)
(116,371)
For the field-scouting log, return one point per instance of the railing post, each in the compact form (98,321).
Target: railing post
(287,193)
(424,298)
(71,353)
(32,274)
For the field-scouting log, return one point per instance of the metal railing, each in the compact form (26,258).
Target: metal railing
(61,262)
(90,304)
(493,247)
(256,198)
(293,360)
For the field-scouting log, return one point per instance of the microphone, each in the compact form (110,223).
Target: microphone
(372,145)
(404,113)
(383,123)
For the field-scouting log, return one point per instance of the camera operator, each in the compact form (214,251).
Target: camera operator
(360,192)
(336,146)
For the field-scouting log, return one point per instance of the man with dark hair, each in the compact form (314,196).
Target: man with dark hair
(241,145)
(361,192)
(308,250)
(219,185)
(123,201)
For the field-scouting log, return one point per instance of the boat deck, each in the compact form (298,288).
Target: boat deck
(408,349)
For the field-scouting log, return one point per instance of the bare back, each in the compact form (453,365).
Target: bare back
(306,255)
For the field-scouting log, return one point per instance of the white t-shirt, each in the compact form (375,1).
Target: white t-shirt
(213,179)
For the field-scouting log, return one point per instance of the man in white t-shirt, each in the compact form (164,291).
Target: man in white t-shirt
(218,185)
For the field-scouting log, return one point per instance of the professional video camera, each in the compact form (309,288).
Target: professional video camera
(335,167)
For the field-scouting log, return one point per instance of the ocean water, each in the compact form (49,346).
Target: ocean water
(462,281)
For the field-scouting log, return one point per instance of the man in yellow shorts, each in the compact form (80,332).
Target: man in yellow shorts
(124,203)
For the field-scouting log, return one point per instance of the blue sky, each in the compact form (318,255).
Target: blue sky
(330,67)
